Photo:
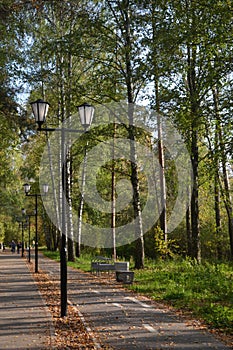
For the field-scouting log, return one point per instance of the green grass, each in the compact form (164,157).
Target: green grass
(205,290)
(51,255)
(82,263)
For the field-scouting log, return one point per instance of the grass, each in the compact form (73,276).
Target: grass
(83,263)
(205,290)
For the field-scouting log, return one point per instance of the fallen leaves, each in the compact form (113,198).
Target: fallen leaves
(70,333)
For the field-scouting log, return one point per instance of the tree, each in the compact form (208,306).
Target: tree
(125,14)
(109,51)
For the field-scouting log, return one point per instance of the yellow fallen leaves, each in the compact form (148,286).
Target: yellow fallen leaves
(70,332)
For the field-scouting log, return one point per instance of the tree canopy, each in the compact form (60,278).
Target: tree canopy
(171,57)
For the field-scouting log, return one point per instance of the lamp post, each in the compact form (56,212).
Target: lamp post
(27,189)
(23,214)
(29,238)
(86,112)
(22,250)
(28,217)
(21,222)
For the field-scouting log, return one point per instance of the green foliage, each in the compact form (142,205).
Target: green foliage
(163,249)
(8,229)
(71,51)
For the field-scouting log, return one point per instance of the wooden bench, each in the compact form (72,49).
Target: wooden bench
(102,264)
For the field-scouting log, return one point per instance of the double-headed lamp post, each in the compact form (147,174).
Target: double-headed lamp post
(27,189)
(86,112)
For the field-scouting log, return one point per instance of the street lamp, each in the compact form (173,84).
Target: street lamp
(28,218)
(27,189)
(22,251)
(86,112)
(23,214)
(22,222)
(40,110)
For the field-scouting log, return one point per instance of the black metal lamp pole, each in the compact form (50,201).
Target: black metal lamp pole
(86,111)
(27,188)
(23,213)
(36,236)
(28,217)
(22,251)
(29,239)
(63,258)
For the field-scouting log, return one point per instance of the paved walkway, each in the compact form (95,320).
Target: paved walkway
(25,322)
(125,321)
(118,317)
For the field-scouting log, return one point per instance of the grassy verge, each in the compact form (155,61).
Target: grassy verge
(83,263)
(204,290)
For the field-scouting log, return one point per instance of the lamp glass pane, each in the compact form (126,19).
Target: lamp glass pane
(86,113)
(45,188)
(35,111)
(40,109)
(27,188)
(89,115)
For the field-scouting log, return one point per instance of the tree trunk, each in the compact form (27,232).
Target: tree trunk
(195,225)
(70,227)
(163,215)
(227,196)
(228,206)
(218,225)
(70,233)
(113,218)
(188,231)
(80,214)
(155,62)
(139,242)
(196,246)
(226,193)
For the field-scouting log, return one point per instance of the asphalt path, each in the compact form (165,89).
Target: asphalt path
(124,320)
(25,321)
